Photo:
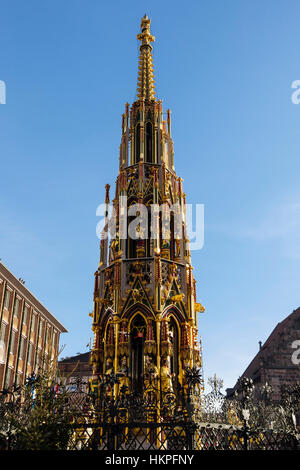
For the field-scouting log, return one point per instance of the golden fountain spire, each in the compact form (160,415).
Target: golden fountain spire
(145,86)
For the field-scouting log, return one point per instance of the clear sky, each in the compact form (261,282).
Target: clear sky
(225,69)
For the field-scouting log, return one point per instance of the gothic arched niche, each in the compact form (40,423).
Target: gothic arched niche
(137,143)
(174,340)
(107,316)
(148,142)
(173,310)
(131,242)
(137,341)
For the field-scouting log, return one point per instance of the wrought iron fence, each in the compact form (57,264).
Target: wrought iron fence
(157,419)
(176,437)
(110,417)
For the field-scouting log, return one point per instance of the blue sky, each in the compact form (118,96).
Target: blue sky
(225,70)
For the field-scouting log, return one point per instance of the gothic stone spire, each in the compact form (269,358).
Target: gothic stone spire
(145,310)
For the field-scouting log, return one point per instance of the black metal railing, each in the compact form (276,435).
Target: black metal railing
(176,436)
(107,416)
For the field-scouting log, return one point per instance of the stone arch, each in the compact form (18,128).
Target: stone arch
(105,319)
(177,313)
(135,308)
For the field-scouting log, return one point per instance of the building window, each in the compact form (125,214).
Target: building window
(30,353)
(25,315)
(40,329)
(53,344)
(48,338)
(22,347)
(2,342)
(7,299)
(40,332)
(12,342)
(18,379)
(16,308)
(54,339)
(38,361)
(32,326)
(7,378)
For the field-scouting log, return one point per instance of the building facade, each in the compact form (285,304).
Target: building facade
(278,359)
(29,333)
(145,308)
(75,368)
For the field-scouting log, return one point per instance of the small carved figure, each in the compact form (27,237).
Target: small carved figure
(151,372)
(166,377)
(108,366)
(122,374)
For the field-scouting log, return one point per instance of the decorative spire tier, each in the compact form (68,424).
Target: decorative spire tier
(145,308)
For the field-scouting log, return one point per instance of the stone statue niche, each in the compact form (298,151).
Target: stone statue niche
(123,374)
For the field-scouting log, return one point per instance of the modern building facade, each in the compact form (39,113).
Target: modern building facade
(29,333)
(145,308)
(278,359)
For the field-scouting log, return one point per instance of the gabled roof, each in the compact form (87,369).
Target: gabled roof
(256,362)
(78,358)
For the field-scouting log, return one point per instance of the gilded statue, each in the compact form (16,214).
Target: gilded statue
(166,378)
(122,374)
(151,372)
